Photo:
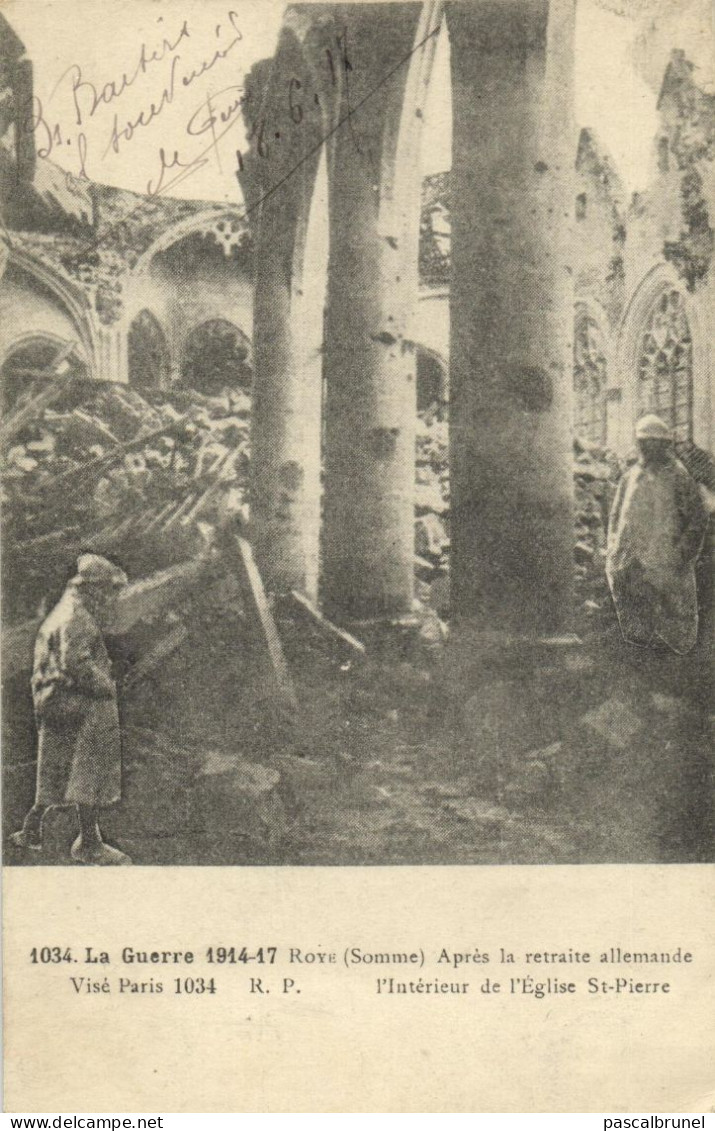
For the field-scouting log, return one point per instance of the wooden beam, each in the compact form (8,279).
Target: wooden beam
(164,648)
(259,617)
(104,462)
(143,599)
(54,389)
(140,601)
(326,626)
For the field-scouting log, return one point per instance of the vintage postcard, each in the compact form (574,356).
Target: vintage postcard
(356,452)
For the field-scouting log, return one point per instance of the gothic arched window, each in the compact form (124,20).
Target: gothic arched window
(30,363)
(216,355)
(148,353)
(665,365)
(589,375)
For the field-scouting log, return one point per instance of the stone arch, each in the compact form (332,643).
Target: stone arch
(369,347)
(665,358)
(28,354)
(148,359)
(226,225)
(68,299)
(285,178)
(331,61)
(216,354)
(665,363)
(308,297)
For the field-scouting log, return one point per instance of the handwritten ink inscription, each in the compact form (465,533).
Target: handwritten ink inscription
(171,70)
(102,100)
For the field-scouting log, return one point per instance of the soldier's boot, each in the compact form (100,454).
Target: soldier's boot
(30,835)
(89,848)
(97,854)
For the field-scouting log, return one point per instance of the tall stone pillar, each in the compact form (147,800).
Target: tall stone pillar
(276,465)
(512,315)
(370,406)
(278,177)
(307,329)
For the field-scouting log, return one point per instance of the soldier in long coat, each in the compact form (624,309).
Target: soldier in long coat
(655,533)
(75,702)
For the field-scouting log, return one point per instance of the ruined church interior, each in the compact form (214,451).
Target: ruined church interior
(354,435)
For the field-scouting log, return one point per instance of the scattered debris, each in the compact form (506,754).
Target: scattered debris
(235,796)
(95,466)
(34,402)
(260,620)
(327,626)
(615,722)
(596,474)
(480,812)
(669,705)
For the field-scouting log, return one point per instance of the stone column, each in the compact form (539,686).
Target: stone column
(370,408)
(111,353)
(307,328)
(512,315)
(276,473)
(278,178)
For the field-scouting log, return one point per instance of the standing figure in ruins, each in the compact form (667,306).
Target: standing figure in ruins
(75,701)
(655,533)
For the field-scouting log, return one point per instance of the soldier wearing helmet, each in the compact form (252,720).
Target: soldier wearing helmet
(75,701)
(655,532)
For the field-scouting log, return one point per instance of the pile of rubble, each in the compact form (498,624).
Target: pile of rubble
(100,467)
(596,474)
(432,535)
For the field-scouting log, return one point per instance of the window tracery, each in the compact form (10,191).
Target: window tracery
(665,365)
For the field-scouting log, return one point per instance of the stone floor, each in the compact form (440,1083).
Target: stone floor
(602,755)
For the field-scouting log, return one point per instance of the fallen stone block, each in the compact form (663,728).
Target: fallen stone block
(540,774)
(583,553)
(535,779)
(613,721)
(430,535)
(669,705)
(234,796)
(499,719)
(155,795)
(477,812)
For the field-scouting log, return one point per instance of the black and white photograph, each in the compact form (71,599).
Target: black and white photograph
(356,448)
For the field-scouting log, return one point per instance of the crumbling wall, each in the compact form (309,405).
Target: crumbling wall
(599,229)
(79,476)
(27,312)
(688,142)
